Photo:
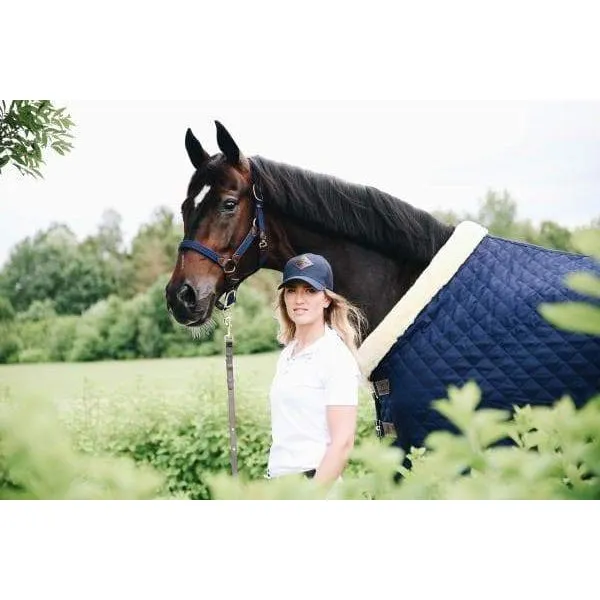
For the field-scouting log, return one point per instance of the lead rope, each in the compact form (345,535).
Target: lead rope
(230,392)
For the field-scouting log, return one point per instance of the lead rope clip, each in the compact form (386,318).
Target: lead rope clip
(227,323)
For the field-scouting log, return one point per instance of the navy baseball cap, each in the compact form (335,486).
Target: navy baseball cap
(310,268)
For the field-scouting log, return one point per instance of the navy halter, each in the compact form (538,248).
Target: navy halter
(230,264)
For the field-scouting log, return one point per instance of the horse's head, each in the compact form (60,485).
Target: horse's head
(224,234)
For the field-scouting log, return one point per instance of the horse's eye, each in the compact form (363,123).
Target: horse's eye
(229,204)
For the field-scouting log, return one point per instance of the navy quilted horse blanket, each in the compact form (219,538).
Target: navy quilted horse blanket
(473,314)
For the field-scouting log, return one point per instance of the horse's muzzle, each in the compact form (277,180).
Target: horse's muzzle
(187,305)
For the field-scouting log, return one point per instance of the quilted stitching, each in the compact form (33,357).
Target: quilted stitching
(484,325)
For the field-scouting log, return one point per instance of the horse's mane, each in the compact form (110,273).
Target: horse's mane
(360,213)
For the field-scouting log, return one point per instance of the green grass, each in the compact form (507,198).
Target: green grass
(178,378)
(100,400)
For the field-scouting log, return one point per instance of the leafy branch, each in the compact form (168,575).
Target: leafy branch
(580,317)
(27,127)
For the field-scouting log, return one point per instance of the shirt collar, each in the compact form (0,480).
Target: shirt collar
(314,346)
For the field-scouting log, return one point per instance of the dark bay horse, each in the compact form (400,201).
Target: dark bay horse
(428,327)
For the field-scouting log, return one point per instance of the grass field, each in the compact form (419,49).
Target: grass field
(176,378)
(115,383)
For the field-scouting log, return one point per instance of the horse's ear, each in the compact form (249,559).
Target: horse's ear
(196,152)
(227,145)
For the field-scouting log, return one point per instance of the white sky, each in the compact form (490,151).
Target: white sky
(435,104)
(130,156)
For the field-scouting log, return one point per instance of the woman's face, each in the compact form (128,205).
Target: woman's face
(304,304)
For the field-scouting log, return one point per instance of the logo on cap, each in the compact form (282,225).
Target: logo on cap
(302,262)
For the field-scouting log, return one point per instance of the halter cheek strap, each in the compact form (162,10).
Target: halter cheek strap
(229,264)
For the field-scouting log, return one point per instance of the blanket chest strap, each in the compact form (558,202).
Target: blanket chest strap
(382,428)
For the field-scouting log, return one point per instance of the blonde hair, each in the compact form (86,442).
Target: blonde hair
(341,315)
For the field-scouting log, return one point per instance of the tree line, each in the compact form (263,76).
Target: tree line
(66,299)
(498,211)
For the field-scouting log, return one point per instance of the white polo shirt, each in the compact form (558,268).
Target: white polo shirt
(325,373)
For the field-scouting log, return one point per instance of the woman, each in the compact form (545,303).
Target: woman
(314,394)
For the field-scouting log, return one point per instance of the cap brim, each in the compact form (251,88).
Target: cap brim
(313,282)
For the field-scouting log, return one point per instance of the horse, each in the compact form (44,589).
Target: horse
(444,304)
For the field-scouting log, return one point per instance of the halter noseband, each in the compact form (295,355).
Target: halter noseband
(230,264)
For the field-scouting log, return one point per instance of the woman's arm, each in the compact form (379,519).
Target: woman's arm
(341,421)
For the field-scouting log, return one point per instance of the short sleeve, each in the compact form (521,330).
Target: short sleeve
(342,378)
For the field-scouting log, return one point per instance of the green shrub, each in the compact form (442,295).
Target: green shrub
(10,345)
(187,444)
(38,310)
(122,334)
(61,337)
(37,461)
(87,345)
(34,355)
(151,342)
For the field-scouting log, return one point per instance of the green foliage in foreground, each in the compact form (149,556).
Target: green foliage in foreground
(581,317)
(556,456)
(181,443)
(38,461)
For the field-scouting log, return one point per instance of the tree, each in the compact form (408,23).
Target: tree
(498,213)
(7,312)
(54,266)
(553,235)
(154,248)
(107,246)
(26,128)
(595,223)
(109,238)
(449,217)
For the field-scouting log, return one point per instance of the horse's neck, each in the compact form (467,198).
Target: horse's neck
(400,240)
(370,280)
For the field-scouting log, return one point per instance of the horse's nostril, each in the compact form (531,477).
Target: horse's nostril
(186,295)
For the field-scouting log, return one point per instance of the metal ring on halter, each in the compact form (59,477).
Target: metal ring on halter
(229,266)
